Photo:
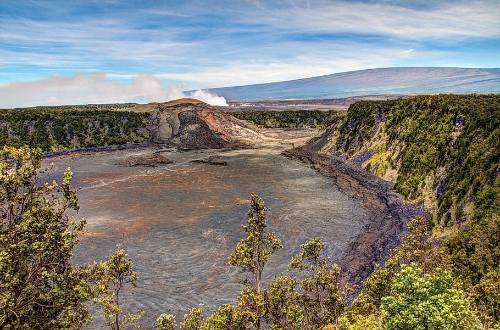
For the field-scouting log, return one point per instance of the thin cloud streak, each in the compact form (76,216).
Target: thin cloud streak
(88,45)
(449,20)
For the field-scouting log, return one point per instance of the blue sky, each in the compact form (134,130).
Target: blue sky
(200,44)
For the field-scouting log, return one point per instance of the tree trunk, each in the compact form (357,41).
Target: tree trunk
(117,302)
(258,281)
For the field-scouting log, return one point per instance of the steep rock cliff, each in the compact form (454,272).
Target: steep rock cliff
(441,150)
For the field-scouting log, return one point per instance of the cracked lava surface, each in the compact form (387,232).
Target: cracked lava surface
(179,222)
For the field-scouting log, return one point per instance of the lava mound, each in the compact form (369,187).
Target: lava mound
(193,124)
(195,133)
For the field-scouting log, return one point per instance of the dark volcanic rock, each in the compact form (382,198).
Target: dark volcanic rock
(150,160)
(194,133)
(362,157)
(212,160)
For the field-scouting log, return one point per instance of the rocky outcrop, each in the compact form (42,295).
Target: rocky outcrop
(191,125)
(149,160)
(212,160)
(196,125)
(194,133)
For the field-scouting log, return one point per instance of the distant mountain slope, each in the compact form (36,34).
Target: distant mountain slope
(372,82)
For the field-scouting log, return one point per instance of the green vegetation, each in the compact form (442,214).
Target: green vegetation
(321,299)
(81,107)
(441,150)
(444,149)
(39,286)
(291,119)
(166,322)
(60,128)
(360,124)
(111,277)
(414,290)
(253,252)
(425,301)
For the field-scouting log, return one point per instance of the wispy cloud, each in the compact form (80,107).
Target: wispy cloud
(85,43)
(443,20)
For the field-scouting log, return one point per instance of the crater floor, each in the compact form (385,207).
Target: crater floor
(179,221)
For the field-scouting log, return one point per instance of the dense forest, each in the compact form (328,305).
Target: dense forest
(442,151)
(291,118)
(60,128)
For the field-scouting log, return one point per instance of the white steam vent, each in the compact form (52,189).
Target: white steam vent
(209,98)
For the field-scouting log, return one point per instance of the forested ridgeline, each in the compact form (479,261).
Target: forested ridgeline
(442,151)
(291,118)
(86,126)
(72,127)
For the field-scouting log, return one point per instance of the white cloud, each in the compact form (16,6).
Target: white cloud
(83,43)
(443,20)
(93,88)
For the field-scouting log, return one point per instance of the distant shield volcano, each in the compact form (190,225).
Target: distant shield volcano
(371,82)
